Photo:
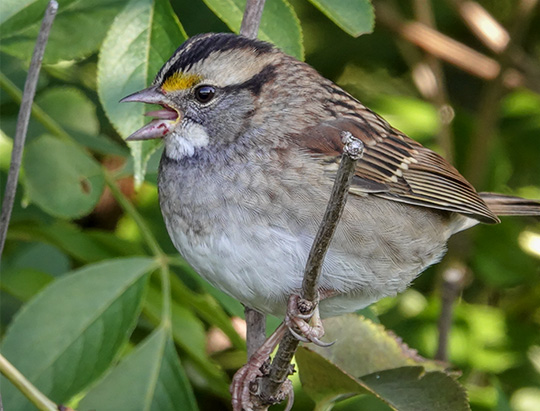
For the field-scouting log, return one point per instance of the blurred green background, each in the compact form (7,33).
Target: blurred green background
(488,127)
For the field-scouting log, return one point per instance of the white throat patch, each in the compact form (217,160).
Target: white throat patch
(184,141)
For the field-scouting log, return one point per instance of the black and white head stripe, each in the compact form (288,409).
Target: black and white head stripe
(199,47)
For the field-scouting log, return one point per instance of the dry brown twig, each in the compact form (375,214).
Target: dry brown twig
(23,119)
(34,395)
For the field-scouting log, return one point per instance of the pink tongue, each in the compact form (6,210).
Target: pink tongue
(155,129)
(165,114)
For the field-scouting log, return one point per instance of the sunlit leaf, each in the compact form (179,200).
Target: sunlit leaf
(150,378)
(355,17)
(67,336)
(21,12)
(279,23)
(142,37)
(408,388)
(362,347)
(69,38)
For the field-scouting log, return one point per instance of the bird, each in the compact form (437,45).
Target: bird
(252,143)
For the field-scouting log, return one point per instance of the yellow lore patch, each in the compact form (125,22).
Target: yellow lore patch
(180,81)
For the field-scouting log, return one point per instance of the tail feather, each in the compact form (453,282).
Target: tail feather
(502,205)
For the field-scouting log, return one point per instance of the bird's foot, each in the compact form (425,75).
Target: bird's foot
(299,313)
(246,381)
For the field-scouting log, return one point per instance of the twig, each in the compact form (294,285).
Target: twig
(252,18)
(35,396)
(23,119)
(255,321)
(453,282)
(280,367)
(488,30)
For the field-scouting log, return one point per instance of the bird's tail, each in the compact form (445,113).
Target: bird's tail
(502,205)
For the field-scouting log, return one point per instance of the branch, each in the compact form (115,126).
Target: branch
(24,118)
(280,369)
(255,321)
(453,283)
(252,18)
(484,26)
(34,395)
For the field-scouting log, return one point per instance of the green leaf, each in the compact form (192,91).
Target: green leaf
(24,283)
(39,256)
(20,12)
(411,388)
(208,308)
(70,108)
(190,335)
(149,378)
(69,38)
(143,36)
(279,23)
(67,336)
(323,381)
(404,388)
(188,331)
(355,17)
(62,178)
(362,347)
(84,246)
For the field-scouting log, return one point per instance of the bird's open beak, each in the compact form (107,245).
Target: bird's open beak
(164,120)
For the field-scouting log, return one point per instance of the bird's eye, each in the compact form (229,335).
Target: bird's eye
(205,93)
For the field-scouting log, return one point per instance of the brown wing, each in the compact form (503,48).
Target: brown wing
(396,167)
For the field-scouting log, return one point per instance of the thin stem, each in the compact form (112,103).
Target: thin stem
(150,239)
(166,310)
(35,396)
(130,209)
(23,119)
(326,231)
(352,152)
(252,18)
(453,282)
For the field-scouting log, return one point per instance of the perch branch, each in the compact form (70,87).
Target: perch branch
(24,118)
(255,321)
(280,368)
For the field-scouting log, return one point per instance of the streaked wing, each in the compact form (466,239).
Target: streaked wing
(394,166)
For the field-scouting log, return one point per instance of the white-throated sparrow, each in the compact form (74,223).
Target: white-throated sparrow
(252,143)
(252,140)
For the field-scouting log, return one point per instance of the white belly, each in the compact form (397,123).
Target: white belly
(262,267)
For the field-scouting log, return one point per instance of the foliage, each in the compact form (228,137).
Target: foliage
(86,273)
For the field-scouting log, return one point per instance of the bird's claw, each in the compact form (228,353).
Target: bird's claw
(299,312)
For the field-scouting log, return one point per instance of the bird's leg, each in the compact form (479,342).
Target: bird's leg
(299,313)
(246,380)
